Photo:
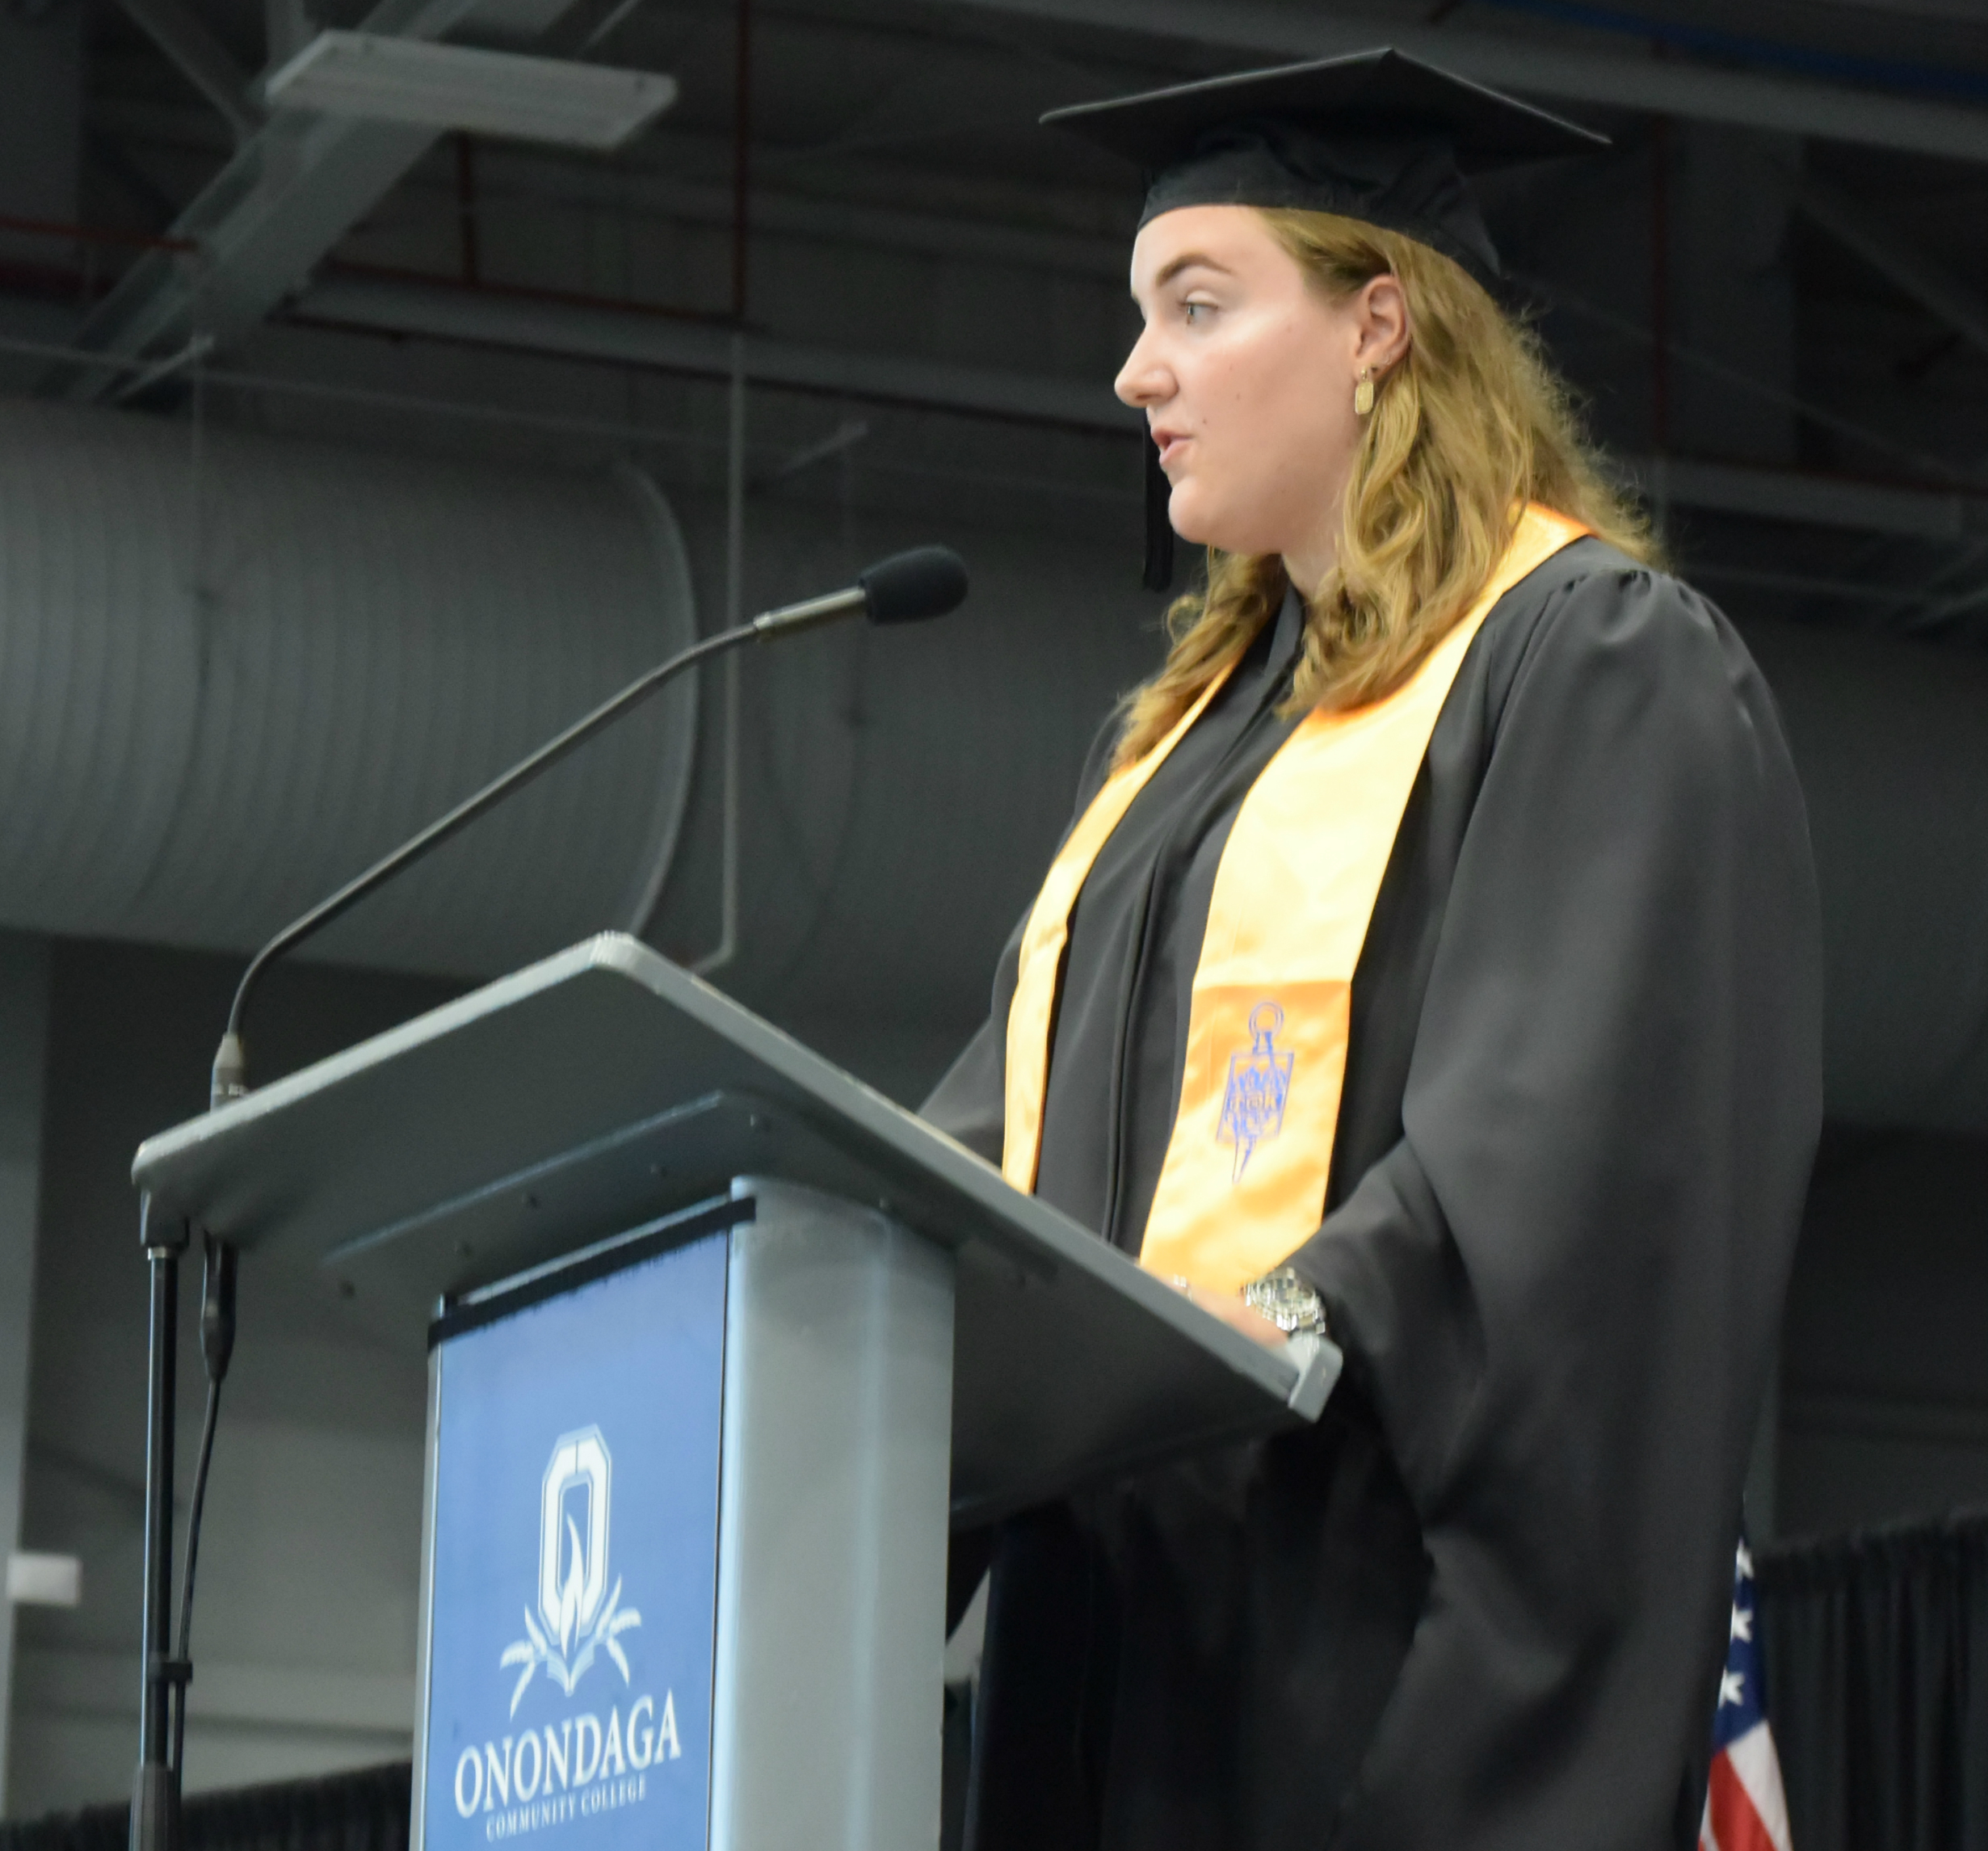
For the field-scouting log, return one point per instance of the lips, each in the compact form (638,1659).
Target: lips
(1169,444)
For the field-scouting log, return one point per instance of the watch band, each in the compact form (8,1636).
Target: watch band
(1293,1307)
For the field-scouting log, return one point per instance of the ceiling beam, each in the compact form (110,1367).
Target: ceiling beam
(519,323)
(514,180)
(291,191)
(1863,233)
(1803,498)
(199,58)
(522,323)
(1541,68)
(1959,11)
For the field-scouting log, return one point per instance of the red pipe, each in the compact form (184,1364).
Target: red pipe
(300,316)
(52,284)
(92,234)
(524,291)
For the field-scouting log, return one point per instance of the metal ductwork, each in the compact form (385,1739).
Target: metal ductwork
(235,669)
(231,676)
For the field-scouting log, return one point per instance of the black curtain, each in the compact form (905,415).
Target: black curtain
(363,1811)
(1877,1686)
(1877,1689)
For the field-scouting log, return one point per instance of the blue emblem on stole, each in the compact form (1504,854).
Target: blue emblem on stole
(1259,1082)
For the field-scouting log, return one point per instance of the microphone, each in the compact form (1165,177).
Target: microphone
(907,587)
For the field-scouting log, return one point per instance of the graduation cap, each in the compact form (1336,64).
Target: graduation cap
(1377,136)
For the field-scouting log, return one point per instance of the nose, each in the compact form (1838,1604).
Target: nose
(1144,379)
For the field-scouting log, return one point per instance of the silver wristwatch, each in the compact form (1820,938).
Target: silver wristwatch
(1288,1302)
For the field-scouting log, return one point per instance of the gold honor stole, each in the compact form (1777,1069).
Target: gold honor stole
(1243,1183)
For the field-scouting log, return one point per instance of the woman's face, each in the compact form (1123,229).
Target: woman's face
(1246,373)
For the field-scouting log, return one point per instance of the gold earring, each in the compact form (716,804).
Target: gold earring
(1362,393)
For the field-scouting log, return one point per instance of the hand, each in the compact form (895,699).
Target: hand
(1232,1309)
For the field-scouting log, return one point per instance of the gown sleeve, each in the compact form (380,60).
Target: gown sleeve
(1559,1290)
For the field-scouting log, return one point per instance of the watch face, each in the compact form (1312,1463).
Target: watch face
(1286,1301)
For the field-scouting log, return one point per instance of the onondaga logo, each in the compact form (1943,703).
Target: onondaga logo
(582,1765)
(576,1616)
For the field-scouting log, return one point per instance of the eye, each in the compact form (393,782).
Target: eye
(1193,312)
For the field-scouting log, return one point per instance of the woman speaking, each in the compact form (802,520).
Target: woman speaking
(1432,960)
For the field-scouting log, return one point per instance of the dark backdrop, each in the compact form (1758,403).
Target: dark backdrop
(1877,1686)
(1877,1669)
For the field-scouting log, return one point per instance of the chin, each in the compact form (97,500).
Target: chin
(1195,522)
(1203,527)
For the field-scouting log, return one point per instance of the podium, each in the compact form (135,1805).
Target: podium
(720,1341)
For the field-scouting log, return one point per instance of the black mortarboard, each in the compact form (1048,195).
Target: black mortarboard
(1378,136)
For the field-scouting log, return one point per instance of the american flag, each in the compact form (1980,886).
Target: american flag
(1745,1808)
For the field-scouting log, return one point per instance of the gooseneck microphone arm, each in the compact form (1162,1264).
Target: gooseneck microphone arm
(230,1080)
(925,583)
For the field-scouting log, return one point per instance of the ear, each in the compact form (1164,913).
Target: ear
(1380,323)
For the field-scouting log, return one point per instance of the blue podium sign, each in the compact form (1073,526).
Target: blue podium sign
(573,1576)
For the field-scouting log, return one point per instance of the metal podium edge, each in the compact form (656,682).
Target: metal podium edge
(171,1164)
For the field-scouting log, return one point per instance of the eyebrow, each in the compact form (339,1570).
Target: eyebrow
(1186,261)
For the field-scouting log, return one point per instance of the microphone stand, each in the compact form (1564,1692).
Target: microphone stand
(155,1790)
(898,589)
(154,1824)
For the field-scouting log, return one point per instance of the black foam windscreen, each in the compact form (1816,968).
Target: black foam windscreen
(926,582)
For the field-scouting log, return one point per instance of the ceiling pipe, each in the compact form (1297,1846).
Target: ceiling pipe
(240,669)
(291,191)
(622,336)
(1537,67)
(602,330)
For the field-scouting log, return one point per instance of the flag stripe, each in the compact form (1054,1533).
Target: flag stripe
(1738,1827)
(1759,1768)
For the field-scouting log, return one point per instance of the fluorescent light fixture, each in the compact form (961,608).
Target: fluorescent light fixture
(507,94)
(36,1580)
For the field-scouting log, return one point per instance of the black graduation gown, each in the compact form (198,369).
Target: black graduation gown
(1483,1602)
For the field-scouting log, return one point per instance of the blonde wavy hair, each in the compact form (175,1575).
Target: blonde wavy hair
(1468,428)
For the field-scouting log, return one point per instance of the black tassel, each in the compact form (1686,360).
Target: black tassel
(1159,575)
